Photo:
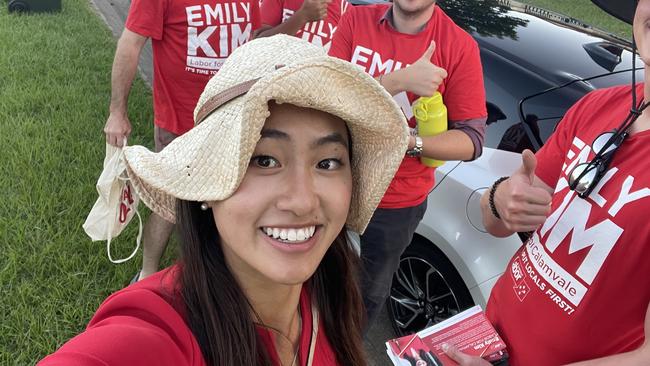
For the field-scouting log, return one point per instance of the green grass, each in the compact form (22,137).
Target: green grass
(54,94)
(588,13)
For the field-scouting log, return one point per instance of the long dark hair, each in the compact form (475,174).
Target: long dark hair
(217,310)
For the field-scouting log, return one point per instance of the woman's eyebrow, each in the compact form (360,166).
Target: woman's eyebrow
(332,138)
(273,133)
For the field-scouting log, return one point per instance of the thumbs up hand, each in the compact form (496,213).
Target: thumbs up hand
(423,77)
(314,10)
(522,205)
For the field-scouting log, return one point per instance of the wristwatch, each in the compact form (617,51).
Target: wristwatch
(416,151)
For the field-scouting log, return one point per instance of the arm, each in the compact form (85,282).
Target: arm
(449,145)
(125,66)
(523,201)
(310,11)
(132,327)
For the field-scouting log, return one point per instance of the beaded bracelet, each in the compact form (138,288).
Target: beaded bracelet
(491,197)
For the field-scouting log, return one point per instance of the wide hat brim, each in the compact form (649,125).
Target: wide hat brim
(209,162)
(621,9)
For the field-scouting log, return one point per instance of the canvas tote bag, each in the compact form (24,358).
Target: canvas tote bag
(116,205)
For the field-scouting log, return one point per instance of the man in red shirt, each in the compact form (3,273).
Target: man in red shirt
(190,40)
(578,291)
(312,20)
(413,49)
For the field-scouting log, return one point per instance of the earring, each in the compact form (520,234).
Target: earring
(204,206)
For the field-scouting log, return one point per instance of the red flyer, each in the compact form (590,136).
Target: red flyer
(470,331)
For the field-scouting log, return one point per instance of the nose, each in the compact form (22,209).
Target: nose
(299,194)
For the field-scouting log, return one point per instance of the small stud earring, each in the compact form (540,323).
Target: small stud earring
(204,206)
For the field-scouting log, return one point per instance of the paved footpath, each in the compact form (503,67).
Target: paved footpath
(114,13)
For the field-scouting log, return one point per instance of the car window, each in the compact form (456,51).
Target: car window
(541,113)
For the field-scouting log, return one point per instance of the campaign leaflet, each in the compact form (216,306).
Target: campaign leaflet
(470,331)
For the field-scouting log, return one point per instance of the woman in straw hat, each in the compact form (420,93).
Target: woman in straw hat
(290,148)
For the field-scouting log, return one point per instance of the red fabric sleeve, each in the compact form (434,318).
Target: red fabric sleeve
(341,46)
(147,17)
(132,327)
(465,93)
(271,12)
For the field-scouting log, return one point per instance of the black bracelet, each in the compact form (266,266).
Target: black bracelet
(493,208)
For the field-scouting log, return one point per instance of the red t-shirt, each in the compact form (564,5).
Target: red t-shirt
(144,324)
(580,288)
(320,33)
(366,38)
(190,40)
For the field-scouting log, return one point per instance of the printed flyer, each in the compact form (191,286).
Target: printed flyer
(470,331)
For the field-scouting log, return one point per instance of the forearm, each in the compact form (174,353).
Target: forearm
(125,66)
(290,26)
(448,145)
(494,226)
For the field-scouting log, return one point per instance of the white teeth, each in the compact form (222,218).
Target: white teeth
(290,234)
(300,234)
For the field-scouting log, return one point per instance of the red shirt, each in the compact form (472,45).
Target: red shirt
(190,40)
(580,288)
(366,38)
(144,324)
(320,33)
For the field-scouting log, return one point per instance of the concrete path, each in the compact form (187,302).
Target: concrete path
(114,13)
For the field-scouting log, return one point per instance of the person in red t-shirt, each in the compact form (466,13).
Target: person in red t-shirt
(312,20)
(414,49)
(578,291)
(190,40)
(263,191)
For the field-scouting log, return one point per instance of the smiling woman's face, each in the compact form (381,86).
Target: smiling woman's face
(293,200)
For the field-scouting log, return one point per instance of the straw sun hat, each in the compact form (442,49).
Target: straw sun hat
(209,162)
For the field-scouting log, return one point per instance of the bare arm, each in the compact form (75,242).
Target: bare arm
(523,201)
(125,65)
(310,11)
(448,145)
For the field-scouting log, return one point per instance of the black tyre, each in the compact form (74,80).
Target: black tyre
(426,289)
(18,6)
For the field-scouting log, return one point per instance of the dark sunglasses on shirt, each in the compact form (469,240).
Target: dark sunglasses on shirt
(584,177)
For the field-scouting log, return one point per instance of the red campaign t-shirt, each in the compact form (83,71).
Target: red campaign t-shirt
(190,40)
(320,33)
(580,288)
(144,324)
(367,40)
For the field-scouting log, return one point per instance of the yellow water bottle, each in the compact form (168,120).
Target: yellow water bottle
(431,117)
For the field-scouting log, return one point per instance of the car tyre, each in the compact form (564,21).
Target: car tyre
(426,289)
(18,6)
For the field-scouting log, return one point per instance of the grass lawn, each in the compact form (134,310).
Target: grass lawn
(54,94)
(587,12)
